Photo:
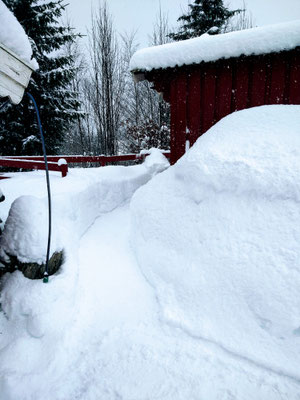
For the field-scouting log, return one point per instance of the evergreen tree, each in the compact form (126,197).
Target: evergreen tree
(49,85)
(203,16)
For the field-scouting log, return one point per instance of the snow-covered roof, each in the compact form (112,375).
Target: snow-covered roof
(255,41)
(13,36)
(16,64)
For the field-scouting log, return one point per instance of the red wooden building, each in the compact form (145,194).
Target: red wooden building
(206,78)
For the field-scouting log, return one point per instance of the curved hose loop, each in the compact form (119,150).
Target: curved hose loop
(46,273)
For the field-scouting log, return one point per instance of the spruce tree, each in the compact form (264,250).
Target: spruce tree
(49,85)
(203,16)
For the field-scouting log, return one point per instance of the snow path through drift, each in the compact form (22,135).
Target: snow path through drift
(111,284)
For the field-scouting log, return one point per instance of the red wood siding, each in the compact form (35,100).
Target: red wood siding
(258,78)
(241,85)
(208,97)
(294,81)
(178,115)
(194,106)
(200,95)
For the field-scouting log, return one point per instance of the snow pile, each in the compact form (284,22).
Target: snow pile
(26,231)
(261,40)
(13,36)
(156,162)
(95,331)
(217,236)
(62,161)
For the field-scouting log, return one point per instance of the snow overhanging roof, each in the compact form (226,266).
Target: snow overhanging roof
(207,48)
(14,75)
(16,64)
(13,36)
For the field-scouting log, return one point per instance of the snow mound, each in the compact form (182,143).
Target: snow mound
(261,40)
(13,36)
(155,162)
(26,231)
(217,235)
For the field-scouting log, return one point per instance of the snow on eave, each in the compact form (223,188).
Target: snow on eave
(28,64)
(206,48)
(16,63)
(14,74)
(13,35)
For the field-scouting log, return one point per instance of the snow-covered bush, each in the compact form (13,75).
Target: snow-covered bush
(146,135)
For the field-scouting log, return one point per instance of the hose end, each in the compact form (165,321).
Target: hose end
(46,277)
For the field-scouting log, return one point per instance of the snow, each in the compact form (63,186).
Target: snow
(26,231)
(77,201)
(220,240)
(62,161)
(157,162)
(13,36)
(261,40)
(180,285)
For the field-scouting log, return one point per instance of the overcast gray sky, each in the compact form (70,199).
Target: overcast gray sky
(130,15)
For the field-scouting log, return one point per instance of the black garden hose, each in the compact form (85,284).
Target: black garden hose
(46,273)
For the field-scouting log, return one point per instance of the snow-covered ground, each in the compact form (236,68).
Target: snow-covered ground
(189,290)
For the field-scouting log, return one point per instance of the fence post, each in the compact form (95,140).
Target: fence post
(64,170)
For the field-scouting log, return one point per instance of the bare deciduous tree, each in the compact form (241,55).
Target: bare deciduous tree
(117,114)
(80,135)
(106,80)
(161,29)
(146,115)
(242,20)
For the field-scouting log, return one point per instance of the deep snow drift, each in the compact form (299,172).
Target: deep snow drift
(219,242)
(216,236)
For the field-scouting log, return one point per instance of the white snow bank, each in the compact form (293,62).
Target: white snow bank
(37,320)
(115,346)
(94,332)
(77,201)
(261,40)
(219,242)
(13,36)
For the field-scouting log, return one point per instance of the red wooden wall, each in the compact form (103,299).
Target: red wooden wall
(200,95)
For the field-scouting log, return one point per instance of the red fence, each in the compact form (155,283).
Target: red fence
(18,162)
(37,162)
